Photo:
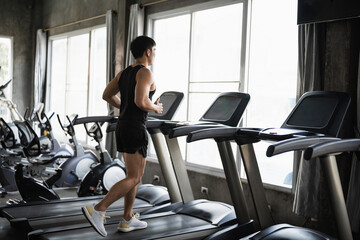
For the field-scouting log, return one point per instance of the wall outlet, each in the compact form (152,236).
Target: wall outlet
(156,178)
(204,190)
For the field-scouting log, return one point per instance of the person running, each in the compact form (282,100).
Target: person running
(136,87)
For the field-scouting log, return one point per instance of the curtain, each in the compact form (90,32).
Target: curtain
(111,20)
(136,28)
(307,189)
(352,200)
(40,67)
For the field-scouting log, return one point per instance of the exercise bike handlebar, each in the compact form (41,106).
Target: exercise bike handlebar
(69,128)
(7,137)
(2,87)
(95,131)
(46,125)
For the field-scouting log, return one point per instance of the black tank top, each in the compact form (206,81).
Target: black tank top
(128,108)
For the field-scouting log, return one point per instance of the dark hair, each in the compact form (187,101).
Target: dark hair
(140,44)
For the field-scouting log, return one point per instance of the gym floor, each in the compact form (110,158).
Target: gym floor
(9,233)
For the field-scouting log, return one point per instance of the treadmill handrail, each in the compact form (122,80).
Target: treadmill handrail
(296,144)
(186,129)
(332,148)
(219,132)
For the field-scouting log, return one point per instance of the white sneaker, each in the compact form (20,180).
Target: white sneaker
(96,219)
(133,224)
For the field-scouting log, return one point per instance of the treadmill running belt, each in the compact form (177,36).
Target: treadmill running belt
(158,227)
(35,219)
(57,209)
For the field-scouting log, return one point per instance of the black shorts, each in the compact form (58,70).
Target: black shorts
(131,137)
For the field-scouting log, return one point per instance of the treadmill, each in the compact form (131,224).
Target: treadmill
(195,219)
(316,118)
(36,215)
(327,152)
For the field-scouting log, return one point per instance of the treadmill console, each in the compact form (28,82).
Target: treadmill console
(282,133)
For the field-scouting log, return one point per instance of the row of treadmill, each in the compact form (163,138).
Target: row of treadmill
(312,127)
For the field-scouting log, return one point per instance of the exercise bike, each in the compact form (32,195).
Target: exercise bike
(80,161)
(32,189)
(10,155)
(109,171)
(102,177)
(7,181)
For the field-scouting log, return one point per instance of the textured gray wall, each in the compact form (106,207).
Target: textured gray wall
(56,13)
(19,19)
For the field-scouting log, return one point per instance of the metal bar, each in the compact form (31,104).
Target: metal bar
(166,167)
(179,169)
(337,197)
(215,82)
(233,181)
(256,186)
(72,23)
(151,3)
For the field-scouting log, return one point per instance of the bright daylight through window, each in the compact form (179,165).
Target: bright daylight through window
(5,72)
(197,68)
(272,79)
(199,53)
(78,76)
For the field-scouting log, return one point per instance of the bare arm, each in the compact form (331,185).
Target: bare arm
(111,91)
(145,83)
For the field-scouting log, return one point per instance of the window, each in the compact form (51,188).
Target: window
(78,75)
(272,79)
(6,71)
(185,44)
(203,50)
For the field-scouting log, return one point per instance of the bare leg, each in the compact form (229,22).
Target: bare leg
(135,165)
(129,202)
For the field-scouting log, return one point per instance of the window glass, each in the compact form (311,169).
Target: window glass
(5,73)
(272,79)
(58,76)
(78,77)
(171,67)
(215,68)
(216,44)
(194,39)
(97,73)
(97,106)
(205,48)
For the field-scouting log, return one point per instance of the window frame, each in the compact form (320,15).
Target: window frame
(11,64)
(243,53)
(9,88)
(67,35)
(243,81)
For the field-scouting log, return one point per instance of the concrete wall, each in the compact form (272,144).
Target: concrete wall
(19,20)
(57,13)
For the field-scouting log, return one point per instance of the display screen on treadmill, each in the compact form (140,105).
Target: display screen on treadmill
(223,109)
(313,112)
(167,101)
